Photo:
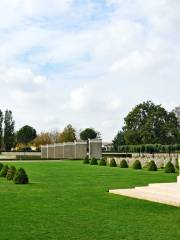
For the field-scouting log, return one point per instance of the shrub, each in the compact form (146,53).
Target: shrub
(20,177)
(123,164)
(169,168)
(102,162)
(152,166)
(93,161)
(113,163)
(1,166)
(137,165)
(4,171)
(11,172)
(86,160)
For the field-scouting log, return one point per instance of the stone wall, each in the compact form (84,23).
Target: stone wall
(72,150)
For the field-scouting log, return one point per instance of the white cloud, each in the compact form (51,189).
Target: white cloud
(73,63)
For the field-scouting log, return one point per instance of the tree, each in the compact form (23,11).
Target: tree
(88,133)
(1,129)
(177,113)
(9,135)
(42,139)
(149,123)
(118,140)
(68,134)
(26,134)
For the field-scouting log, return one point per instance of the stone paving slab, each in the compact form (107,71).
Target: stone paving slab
(166,193)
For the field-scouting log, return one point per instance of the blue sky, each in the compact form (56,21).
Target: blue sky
(87,62)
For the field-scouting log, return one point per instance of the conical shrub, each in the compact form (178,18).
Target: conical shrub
(94,161)
(4,171)
(102,162)
(137,165)
(152,166)
(11,172)
(113,163)
(1,166)
(86,160)
(169,168)
(20,177)
(123,164)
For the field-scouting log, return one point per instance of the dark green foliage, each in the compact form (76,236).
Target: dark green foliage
(102,162)
(123,164)
(1,166)
(4,171)
(152,166)
(20,177)
(26,134)
(137,164)
(88,133)
(93,161)
(149,123)
(113,163)
(86,160)
(169,168)
(118,140)
(10,173)
(9,134)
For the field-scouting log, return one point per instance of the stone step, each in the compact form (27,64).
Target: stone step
(150,194)
(166,191)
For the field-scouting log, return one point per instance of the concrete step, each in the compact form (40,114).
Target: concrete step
(163,190)
(152,194)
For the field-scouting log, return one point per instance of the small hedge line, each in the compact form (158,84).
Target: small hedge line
(18,176)
(151,166)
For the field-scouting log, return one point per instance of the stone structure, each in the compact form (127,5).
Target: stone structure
(167,193)
(72,150)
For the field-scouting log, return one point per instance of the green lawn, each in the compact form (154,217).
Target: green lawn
(69,200)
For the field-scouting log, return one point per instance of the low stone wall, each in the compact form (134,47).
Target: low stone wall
(160,159)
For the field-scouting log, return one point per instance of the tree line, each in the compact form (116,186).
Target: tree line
(27,136)
(148,124)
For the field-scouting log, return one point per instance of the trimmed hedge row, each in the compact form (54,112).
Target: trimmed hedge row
(151,166)
(18,176)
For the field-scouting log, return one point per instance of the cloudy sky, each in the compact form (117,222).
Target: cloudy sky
(87,62)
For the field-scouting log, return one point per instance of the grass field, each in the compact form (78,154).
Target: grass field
(69,200)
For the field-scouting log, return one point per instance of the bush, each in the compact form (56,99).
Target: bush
(113,163)
(137,165)
(93,161)
(102,162)
(123,164)
(11,172)
(86,160)
(1,166)
(4,171)
(152,166)
(169,168)
(20,177)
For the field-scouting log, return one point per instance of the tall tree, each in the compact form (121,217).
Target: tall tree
(118,140)
(88,133)
(9,135)
(26,134)
(1,129)
(150,123)
(68,134)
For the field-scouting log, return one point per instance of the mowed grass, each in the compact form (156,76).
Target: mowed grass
(69,200)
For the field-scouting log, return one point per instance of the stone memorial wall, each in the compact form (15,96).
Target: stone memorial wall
(72,150)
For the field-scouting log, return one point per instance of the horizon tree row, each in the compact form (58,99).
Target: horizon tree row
(148,123)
